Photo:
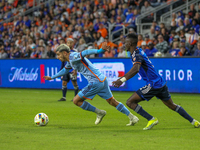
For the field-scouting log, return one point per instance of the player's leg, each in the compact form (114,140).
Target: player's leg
(170,104)
(76,89)
(89,92)
(106,93)
(144,93)
(165,96)
(64,91)
(65,80)
(74,82)
(121,108)
(132,103)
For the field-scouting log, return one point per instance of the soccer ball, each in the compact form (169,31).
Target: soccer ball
(41,119)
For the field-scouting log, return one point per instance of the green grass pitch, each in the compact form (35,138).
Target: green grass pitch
(71,128)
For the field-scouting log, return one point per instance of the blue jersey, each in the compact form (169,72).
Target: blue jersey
(85,67)
(147,70)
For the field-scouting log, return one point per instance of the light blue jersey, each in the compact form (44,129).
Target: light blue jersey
(85,67)
(98,83)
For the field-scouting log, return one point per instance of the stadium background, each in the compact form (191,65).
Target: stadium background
(33,29)
(26,73)
(30,30)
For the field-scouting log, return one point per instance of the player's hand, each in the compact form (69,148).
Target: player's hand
(117,83)
(105,47)
(47,77)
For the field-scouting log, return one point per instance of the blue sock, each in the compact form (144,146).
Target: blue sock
(120,107)
(64,91)
(87,106)
(183,113)
(138,109)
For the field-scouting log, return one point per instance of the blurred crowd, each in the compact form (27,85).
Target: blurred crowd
(182,38)
(87,22)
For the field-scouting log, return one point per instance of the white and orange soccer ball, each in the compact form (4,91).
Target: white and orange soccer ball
(41,119)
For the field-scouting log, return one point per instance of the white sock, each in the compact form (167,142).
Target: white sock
(193,121)
(152,118)
(97,111)
(130,116)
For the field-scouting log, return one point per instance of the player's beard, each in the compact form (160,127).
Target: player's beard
(63,58)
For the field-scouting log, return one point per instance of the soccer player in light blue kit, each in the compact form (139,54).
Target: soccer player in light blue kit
(98,83)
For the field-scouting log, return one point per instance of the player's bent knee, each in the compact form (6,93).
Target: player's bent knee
(112,102)
(77,100)
(64,83)
(128,103)
(131,104)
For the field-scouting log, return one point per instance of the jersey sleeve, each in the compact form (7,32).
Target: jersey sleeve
(68,66)
(75,57)
(60,73)
(138,59)
(92,51)
(79,56)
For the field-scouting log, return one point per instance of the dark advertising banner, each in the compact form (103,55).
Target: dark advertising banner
(182,74)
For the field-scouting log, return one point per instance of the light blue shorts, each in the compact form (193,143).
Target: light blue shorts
(93,88)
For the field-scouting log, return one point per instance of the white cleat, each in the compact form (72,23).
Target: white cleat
(133,121)
(100,117)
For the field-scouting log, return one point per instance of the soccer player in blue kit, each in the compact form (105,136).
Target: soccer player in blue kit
(155,84)
(70,75)
(97,82)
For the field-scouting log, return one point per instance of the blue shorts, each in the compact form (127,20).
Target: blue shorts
(93,88)
(69,76)
(147,92)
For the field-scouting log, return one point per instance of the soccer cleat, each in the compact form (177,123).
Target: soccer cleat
(100,116)
(151,123)
(62,99)
(196,124)
(133,121)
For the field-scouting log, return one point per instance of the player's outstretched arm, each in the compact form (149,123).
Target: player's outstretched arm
(96,51)
(47,77)
(132,72)
(59,74)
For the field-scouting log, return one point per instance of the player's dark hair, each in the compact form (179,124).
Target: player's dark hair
(63,47)
(134,38)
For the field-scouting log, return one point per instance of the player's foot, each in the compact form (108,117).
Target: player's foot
(151,123)
(196,124)
(62,99)
(133,120)
(100,116)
